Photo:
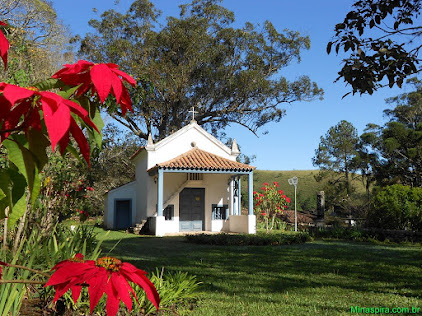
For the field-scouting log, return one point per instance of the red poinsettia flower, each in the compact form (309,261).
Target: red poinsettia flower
(27,102)
(264,214)
(103,79)
(287,200)
(4,46)
(280,192)
(265,183)
(105,275)
(276,184)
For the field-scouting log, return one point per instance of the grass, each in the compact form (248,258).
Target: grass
(322,277)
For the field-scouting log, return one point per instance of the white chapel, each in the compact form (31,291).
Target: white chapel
(188,181)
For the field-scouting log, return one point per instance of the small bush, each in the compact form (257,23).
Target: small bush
(260,239)
(178,292)
(397,207)
(367,234)
(338,232)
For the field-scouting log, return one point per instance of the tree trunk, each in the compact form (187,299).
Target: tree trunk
(272,222)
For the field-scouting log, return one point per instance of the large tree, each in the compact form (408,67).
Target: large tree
(398,144)
(337,152)
(231,75)
(382,40)
(38,41)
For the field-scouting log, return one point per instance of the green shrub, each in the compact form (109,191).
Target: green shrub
(338,232)
(260,239)
(397,207)
(177,290)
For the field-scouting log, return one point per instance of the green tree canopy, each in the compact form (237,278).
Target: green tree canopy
(231,75)
(398,144)
(38,41)
(337,151)
(383,40)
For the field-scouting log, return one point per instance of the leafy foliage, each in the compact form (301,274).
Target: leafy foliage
(273,239)
(382,37)
(177,290)
(231,75)
(397,207)
(397,146)
(337,151)
(270,202)
(38,39)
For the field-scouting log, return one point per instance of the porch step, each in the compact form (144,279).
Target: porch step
(138,227)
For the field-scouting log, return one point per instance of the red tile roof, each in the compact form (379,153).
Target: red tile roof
(198,159)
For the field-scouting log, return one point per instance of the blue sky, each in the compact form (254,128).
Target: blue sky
(291,143)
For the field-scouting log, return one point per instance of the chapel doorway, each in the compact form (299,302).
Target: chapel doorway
(123,214)
(192,209)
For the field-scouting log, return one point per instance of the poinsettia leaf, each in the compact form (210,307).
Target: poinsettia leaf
(80,139)
(84,102)
(36,187)
(67,91)
(17,211)
(74,152)
(38,144)
(57,118)
(26,161)
(4,47)
(13,185)
(22,158)
(101,77)
(98,121)
(96,288)
(5,188)
(49,84)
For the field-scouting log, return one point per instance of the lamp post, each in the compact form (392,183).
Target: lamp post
(293,181)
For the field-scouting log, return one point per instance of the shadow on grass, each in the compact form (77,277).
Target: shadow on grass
(359,267)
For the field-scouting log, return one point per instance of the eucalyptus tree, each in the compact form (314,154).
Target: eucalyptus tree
(199,59)
(39,40)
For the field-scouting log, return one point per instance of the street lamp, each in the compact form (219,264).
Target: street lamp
(293,181)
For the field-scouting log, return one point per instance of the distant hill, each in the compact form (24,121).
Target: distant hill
(307,187)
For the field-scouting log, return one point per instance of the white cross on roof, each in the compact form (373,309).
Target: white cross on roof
(193,113)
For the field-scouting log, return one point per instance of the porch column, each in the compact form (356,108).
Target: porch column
(250,193)
(160,192)
(239,199)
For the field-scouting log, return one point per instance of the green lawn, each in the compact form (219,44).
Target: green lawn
(324,278)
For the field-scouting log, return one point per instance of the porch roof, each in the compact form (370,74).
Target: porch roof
(197,159)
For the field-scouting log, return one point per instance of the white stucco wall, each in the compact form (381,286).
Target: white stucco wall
(127,191)
(142,182)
